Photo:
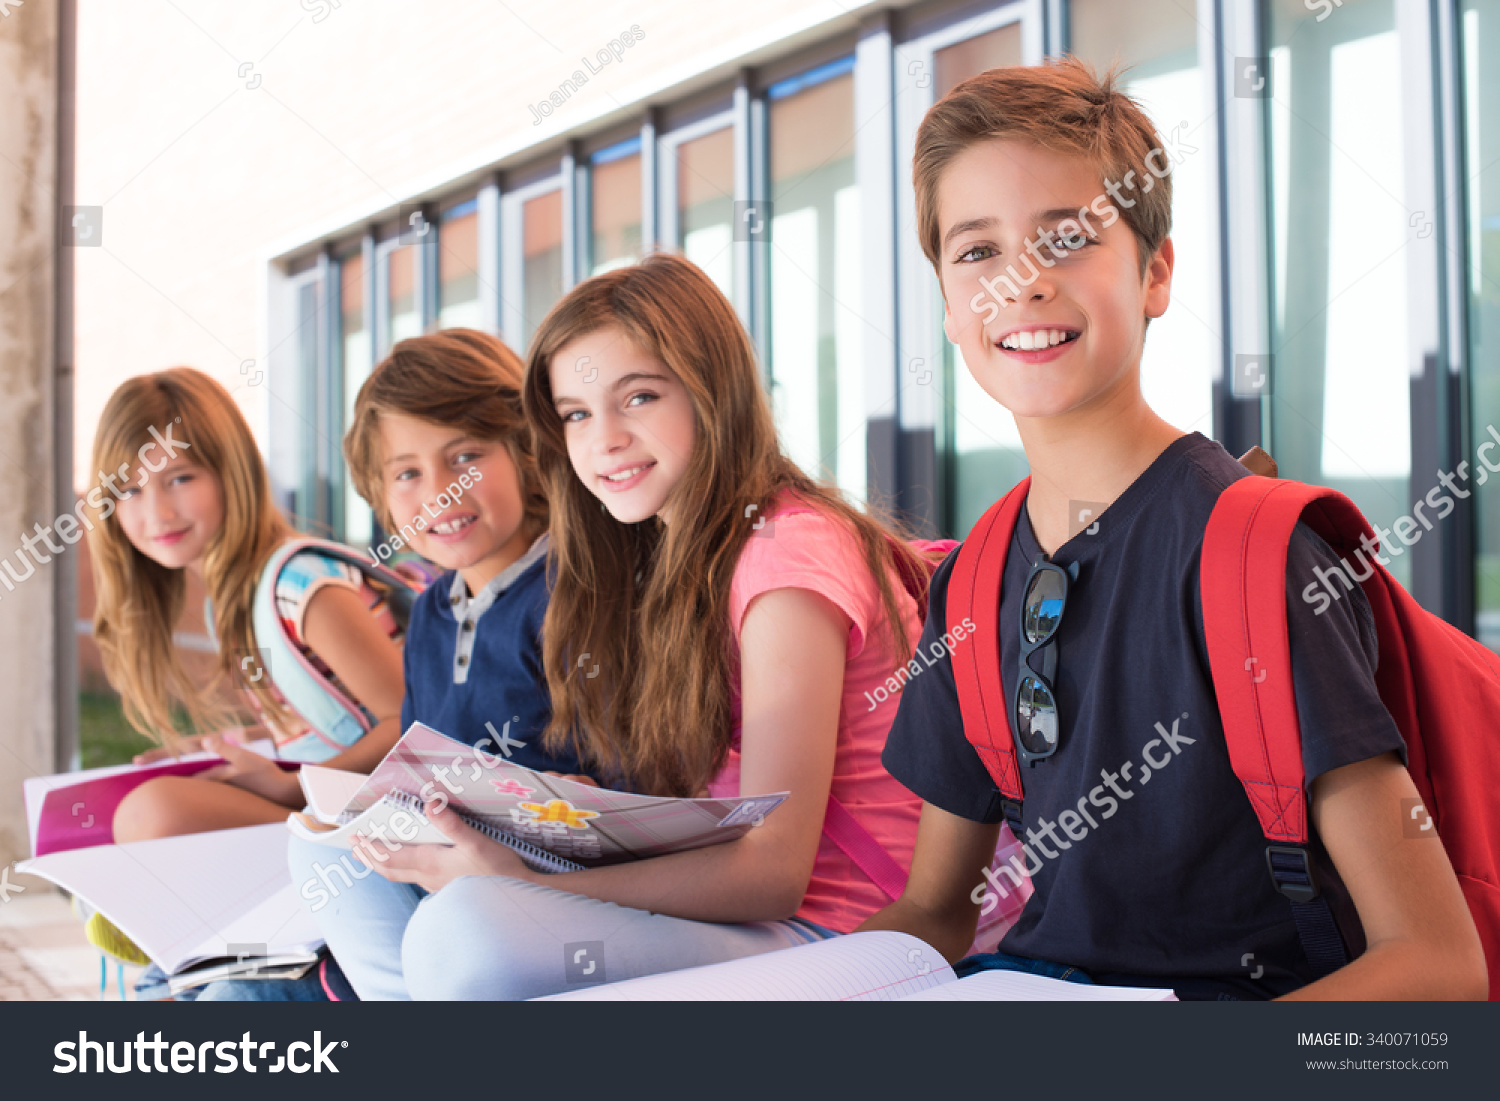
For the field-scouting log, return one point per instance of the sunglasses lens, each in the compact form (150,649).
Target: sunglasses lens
(1036,716)
(1043,606)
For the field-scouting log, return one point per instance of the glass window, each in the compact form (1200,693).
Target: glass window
(1340,383)
(1481,100)
(705,205)
(1158,41)
(354,351)
(403,312)
(996,49)
(541,259)
(816,367)
(615,195)
(984,455)
(458,268)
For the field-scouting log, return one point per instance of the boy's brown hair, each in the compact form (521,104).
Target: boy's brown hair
(459,378)
(1061,105)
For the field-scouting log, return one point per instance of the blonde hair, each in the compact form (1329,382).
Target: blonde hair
(1061,105)
(459,378)
(138,600)
(648,603)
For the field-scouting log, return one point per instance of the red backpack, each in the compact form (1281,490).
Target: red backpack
(1452,754)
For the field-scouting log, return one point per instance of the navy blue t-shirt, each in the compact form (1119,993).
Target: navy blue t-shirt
(459,679)
(1152,862)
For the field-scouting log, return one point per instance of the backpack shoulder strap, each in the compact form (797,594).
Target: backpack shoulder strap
(860,846)
(401,591)
(1243,565)
(337,722)
(974,592)
(1243,585)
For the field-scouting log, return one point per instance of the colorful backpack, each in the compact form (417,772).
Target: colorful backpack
(336,720)
(1441,687)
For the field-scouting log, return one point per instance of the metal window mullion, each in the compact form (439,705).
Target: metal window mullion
(650,183)
(1442,567)
(1244,198)
(886,389)
(368,291)
(425,274)
(512,270)
(1058,31)
(323,387)
(744,274)
(575,208)
(1453,270)
(334,371)
(491,284)
(379,335)
(758,150)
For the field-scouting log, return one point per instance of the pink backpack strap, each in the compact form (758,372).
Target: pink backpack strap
(868,854)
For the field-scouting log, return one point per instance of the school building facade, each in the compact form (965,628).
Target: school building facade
(1336,245)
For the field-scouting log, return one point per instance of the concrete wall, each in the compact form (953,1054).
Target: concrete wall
(28,240)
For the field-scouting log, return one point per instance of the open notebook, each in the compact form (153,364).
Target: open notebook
(860,967)
(220,900)
(555,824)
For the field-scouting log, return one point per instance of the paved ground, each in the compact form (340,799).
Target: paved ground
(43,956)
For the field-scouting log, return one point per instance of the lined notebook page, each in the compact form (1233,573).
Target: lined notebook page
(1016,986)
(868,967)
(182,899)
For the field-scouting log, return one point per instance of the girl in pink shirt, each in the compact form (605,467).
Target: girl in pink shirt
(719,622)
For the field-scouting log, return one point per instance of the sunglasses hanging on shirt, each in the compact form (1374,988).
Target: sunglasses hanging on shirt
(1036,716)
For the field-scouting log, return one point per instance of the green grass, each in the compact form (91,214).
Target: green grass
(104,737)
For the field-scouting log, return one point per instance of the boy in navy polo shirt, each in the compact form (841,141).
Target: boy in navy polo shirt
(1044,204)
(439,448)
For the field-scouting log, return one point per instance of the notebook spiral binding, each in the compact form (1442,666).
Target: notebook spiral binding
(535,856)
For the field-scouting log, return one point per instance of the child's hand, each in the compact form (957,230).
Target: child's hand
(433,867)
(191,744)
(247,769)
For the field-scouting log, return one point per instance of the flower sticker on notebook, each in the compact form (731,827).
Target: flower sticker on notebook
(512,787)
(561,811)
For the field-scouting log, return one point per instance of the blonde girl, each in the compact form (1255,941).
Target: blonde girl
(202,503)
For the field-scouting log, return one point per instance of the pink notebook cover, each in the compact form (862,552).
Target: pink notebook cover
(80,815)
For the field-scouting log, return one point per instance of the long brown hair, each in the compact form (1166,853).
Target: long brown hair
(138,600)
(649,603)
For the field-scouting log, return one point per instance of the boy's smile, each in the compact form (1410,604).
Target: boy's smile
(478,531)
(1042,288)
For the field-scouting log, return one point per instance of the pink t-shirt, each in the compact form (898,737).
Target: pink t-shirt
(809,550)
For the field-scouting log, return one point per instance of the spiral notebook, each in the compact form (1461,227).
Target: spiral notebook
(554,823)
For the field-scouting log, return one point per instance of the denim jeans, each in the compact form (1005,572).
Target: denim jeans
(1001,961)
(502,939)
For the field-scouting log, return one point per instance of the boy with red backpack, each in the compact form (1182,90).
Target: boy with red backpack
(1097,708)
